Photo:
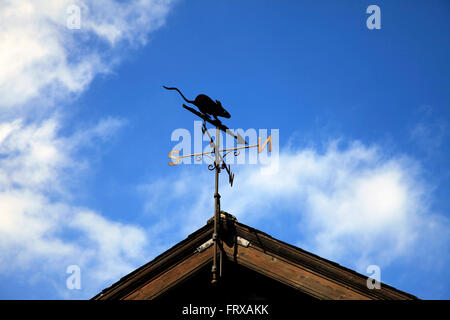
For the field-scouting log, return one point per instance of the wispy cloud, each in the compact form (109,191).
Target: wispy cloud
(41,58)
(350,204)
(38,222)
(429,132)
(43,64)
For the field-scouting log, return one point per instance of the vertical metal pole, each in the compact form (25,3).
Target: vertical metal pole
(216,207)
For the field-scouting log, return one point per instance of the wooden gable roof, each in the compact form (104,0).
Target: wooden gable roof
(255,265)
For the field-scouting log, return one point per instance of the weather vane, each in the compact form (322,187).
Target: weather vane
(207,109)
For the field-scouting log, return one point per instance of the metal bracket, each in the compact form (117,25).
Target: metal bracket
(205,246)
(243,242)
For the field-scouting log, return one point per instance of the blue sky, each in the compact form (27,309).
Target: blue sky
(85,130)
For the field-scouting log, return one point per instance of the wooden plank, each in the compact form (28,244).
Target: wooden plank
(150,270)
(318,265)
(171,277)
(292,275)
(278,260)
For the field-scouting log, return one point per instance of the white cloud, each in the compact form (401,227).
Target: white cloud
(351,205)
(132,21)
(430,131)
(115,245)
(34,154)
(345,194)
(38,226)
(40,58)
(43,63)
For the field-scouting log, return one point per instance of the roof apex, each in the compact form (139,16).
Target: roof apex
(255,250)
